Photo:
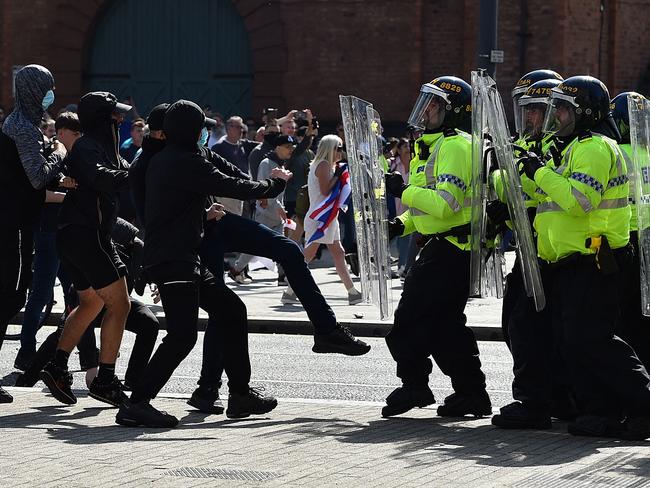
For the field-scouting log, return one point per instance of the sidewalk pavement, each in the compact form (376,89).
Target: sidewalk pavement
(266,314)
(302,443)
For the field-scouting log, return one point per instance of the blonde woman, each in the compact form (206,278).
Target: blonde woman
(324,172)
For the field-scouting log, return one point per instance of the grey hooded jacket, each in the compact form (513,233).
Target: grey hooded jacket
(26,165)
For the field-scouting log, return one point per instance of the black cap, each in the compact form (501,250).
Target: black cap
(157,116)
(281,140)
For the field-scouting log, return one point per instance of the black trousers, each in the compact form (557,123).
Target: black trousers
(540,378)
(141,321)
(182,292)
(604,371)
(430,321)
(16,254)
(235,233)
(634,327)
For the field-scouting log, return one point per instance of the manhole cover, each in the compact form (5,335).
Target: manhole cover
(224,474)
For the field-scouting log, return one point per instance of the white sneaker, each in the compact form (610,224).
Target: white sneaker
(355,297)
(289,297)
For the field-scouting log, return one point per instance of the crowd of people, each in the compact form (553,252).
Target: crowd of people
(160,208)
(165,206)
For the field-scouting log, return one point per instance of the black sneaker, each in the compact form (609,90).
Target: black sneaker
(5,397)
(340,341)
(59,381)
(25,380)
(142,414)
(459,405)
(254,402)
(206,400)
(404,398)
(111,392)
(517,416)
(23,359)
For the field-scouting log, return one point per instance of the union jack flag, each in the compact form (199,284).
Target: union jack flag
(328,209)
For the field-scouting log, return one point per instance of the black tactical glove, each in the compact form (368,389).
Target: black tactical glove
(395,228)
(395,184)
(498,213)
(531,163)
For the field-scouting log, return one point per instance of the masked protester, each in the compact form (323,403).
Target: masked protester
(86,220)
(429,320)
(178,181)
(27,165)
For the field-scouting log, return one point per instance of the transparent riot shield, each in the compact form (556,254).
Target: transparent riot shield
(362,127)
(639,110)
(497,126)
(487,262)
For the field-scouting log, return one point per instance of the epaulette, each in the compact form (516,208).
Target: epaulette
(447,132)
(585,136)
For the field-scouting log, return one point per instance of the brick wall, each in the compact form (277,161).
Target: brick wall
(305,53)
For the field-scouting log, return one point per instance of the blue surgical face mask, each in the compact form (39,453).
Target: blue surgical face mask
(204,137)
(48,100)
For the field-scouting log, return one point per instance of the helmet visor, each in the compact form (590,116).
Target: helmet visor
(532,113)
(417,119)
(561,114)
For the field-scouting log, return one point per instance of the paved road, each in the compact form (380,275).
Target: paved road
(285,365)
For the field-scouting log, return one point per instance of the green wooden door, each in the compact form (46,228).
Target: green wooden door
(162,50)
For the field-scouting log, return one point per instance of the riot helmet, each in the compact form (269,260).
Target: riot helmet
(522,85)
(532,108)
(621,114)
(578,104)
(444,102)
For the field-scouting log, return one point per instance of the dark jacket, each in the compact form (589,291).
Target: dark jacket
(178,180)
(26,164)
(97,166)
(138,173)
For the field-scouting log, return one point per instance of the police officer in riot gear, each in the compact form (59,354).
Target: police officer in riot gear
(634,327)
(520,89)
(429,320)
(538,386)
(582,229)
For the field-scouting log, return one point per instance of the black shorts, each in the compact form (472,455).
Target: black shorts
(89,257)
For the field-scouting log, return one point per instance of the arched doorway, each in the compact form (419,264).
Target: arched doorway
(162,50)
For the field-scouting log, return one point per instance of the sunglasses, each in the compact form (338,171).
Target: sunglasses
(339,148)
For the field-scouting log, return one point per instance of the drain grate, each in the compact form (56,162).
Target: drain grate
(224,474)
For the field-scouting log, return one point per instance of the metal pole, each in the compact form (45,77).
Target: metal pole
(487,38)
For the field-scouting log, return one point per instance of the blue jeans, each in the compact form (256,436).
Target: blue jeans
(46,266)
(235,233)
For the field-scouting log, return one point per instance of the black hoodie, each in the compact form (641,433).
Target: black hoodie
(97,166)
(178,180)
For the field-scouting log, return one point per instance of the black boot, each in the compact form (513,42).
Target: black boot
(461,404)
(206,400)
(404,398)
(516,415)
